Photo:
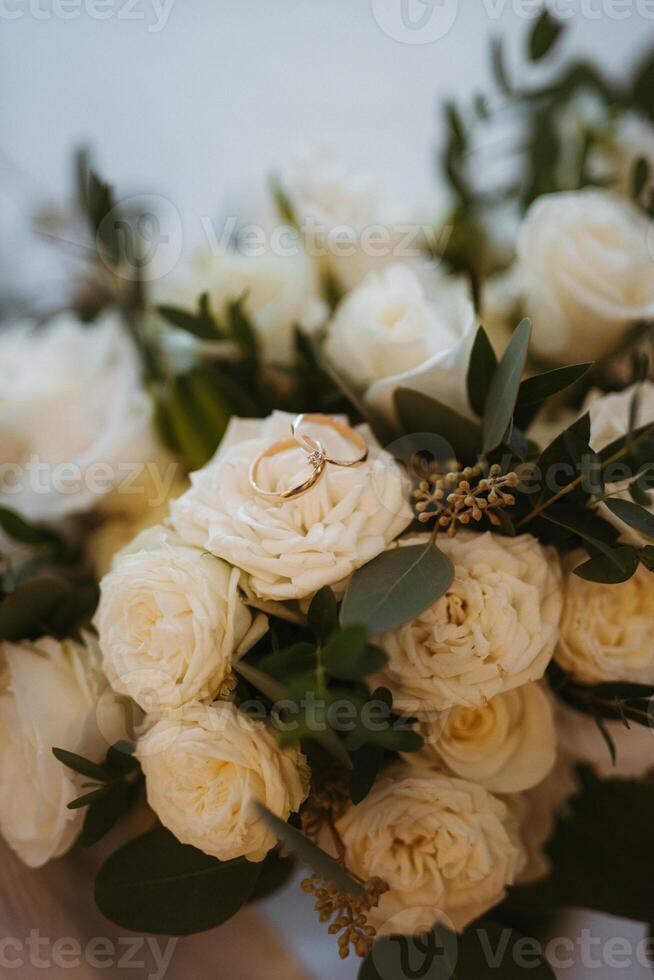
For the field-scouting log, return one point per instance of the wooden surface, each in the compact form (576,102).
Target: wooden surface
(57,900)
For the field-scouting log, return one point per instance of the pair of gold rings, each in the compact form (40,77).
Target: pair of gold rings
(316,455)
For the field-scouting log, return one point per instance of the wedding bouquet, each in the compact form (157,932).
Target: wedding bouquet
(397,622)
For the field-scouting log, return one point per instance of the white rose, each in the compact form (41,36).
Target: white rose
(206,765)
(170,619)
(493,630)
(404,328)
(291,548)
(506,746)
(45,700)
(606,630)
(349,225)
(586,258)
(280,292)
(71,403)
(439,843)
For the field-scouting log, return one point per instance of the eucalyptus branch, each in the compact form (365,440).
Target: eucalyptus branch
(625,450)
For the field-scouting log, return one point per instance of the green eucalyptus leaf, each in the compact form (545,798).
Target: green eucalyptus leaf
(104,813)
(322,616)
(503,390)
(632,514)
(309,853)
(93,796)
(481,369)
(17,528)
(157,884)
(639,177)
(85,767)
(647,557)
(611,569)
(419,413)
(396,586)
(366,763)
(544,35)
(534,390)
(26,611)
(287,664)
(348,655)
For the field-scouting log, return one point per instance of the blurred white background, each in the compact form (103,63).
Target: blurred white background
(198,100)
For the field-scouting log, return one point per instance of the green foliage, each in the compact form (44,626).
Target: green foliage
(632,514)
(419,413)
(621,701)
(156,884)
(544,35)
(503,390)
(482,367)
(396,586)
(599,851)
(45,605)
(310,854)
(117,781)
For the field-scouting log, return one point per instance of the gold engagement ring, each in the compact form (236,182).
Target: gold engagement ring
(315,453)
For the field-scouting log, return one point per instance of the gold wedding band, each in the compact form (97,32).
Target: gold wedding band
(342,428)
(315,457)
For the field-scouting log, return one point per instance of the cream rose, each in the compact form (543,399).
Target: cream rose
(206,765)
(606,630)
(586,261)
(349,225)
(170,620)
(506,746)
(405,327)
(493,630)
(439,842)
(280,291)
(46,700)
(75,422)
(291,548)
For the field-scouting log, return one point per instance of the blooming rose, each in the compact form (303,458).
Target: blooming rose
(507,746)
(493,630)
(347,222)
(407,328)
(291,548)
(280,292)
(606,629)
(45,700)
(439,842)
(170,619)
(71,404)
(587,267)
(206,765)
